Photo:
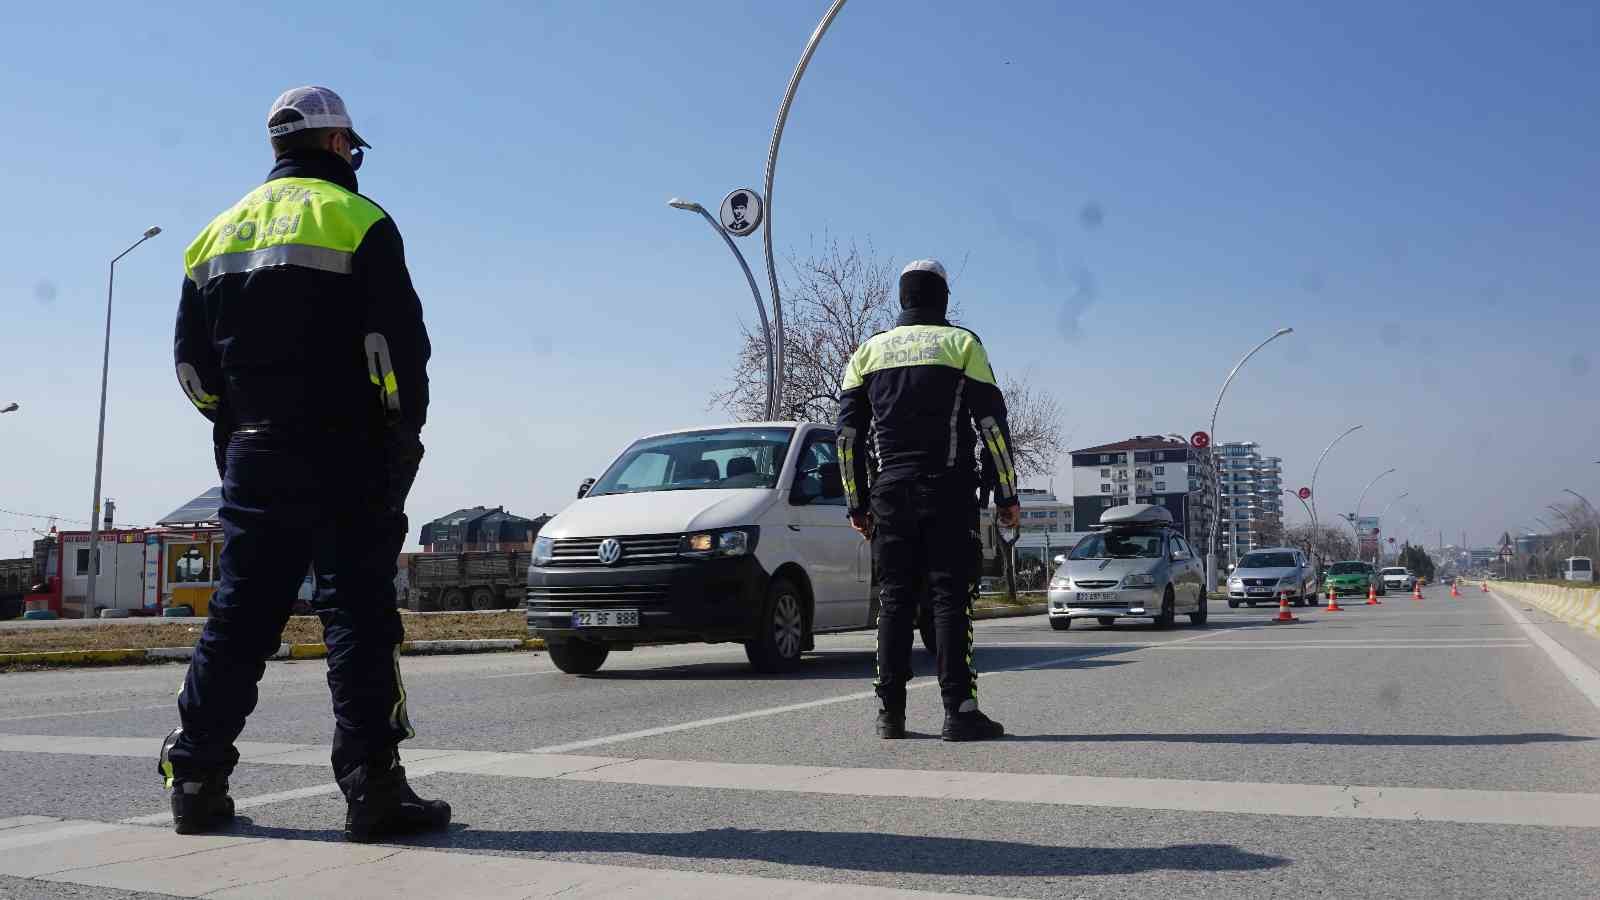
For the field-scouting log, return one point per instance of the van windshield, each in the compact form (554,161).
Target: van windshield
(1267,561)
(1582,565)
(1120,543)
(723,459)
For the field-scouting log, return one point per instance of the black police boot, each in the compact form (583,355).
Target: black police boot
(968,724)
(381,803)
(200,804)
(892,724)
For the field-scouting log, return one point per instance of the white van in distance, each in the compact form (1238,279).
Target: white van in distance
(729,533)
(1577,568)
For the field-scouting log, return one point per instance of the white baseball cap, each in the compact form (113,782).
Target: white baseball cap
(319,107)
(926,265)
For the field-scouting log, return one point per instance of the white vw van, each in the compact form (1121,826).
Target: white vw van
(730,533)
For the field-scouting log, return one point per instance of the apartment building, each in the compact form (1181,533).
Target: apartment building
(1143,469)
(1251,489)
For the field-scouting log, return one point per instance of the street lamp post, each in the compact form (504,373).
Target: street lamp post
(1316,527)
(10,407)
(772,165)
(100,440)
(1384,512)
(1211,543)
(1355,517)
(761,307)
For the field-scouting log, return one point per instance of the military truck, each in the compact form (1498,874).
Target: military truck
(456,582)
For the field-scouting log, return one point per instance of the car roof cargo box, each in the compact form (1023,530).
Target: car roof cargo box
(1136,514)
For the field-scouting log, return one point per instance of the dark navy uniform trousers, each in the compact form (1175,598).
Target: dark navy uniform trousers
(293,501)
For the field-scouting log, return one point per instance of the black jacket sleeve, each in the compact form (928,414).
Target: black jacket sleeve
(988,408)
(195,357)
(395,340)
(855,416)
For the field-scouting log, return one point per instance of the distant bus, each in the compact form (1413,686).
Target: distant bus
(1577,568)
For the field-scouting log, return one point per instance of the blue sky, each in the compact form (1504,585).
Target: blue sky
(1413,190)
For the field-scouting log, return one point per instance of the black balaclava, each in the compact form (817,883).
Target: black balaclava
(924,297)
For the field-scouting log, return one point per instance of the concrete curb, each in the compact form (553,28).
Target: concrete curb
(318,651)
(285,651)
(1579,607)
(1009,612)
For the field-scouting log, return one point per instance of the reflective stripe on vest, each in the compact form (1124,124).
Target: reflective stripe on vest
(303,222)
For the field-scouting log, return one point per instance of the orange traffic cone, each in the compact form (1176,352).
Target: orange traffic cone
(1416,590)
(1372,595)
(1333,602)
(1485,586)
(1283,610)
(1453,591)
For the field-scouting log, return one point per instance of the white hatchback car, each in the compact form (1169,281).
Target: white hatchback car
(1398,578)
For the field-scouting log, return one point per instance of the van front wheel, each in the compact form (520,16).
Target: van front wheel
(781,630)
(576,657)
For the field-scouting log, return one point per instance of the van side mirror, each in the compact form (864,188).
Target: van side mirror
(832,481)
(1059,560)
(585,487)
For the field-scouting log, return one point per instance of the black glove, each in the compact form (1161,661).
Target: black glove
(402,455)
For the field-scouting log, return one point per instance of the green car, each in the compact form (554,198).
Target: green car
(1352,577)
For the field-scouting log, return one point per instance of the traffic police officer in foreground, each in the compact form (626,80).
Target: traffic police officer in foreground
(300,337)
(922,386)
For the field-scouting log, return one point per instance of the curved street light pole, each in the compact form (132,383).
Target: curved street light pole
(100,441)
(1385,511)
(761,307)
(10,407)
(1211,544)
(772,165)
(1356,517)
(1316,526)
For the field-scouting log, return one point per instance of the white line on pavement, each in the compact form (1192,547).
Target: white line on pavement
(1582,676)
(85,712)
(810,704)
(1536,808)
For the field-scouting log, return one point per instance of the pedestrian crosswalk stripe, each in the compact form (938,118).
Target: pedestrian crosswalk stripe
(1549,809)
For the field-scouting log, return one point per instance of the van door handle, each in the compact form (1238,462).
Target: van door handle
(793,527)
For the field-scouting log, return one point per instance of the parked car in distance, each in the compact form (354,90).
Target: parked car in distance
(1353,577)
(1398,578)
(1262,576)
(1134,565)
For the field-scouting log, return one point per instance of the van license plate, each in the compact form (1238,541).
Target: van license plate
(1096,596)
(605,618)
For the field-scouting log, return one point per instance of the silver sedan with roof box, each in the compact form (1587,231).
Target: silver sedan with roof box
(1133,565)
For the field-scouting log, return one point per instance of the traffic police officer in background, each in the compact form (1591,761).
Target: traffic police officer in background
(300,336)
(927,391)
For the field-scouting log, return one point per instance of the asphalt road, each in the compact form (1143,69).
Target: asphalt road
(1434,748)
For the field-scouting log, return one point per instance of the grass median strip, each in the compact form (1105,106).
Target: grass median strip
(120,644)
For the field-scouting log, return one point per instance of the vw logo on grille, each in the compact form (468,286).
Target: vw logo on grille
(610,551)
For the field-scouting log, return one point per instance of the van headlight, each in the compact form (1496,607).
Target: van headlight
(544,550)
(1137,581)
(1236,582)
(725,542)
(1060,584)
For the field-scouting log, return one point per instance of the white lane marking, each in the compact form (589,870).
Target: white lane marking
(1579,673)
(142,859)
(810,704)
(1359,647)
(86,712)
(1537,808)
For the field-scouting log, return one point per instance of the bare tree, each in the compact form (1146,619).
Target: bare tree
(833,300)
(1327,543)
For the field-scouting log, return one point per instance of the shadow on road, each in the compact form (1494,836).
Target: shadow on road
(860,665)
(1288,737)
(840,850)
